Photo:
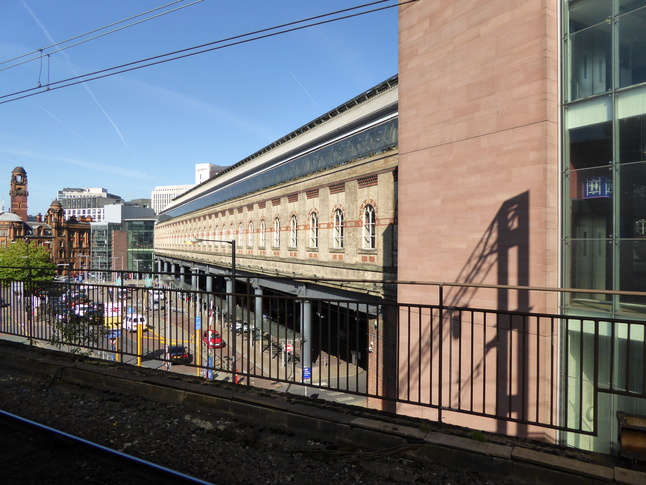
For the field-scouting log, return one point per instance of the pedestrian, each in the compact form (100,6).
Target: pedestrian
(167,357)
(35,303)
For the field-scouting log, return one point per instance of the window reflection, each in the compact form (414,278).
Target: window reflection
(586,13)
(591,61)
(590,146)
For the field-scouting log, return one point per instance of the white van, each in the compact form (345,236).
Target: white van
(131,320)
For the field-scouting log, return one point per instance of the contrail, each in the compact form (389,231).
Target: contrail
(303,88)
(105,113)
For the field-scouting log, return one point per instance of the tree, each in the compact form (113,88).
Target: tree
(25,261)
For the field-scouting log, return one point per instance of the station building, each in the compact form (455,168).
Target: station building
(318,204)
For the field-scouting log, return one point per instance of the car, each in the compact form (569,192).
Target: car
(121,293)
(178,354)
(240,327)
(66,315)
(156,294)
(55,306)
(93,316)
(81,308)
(76,298)
(155,305)
(131,321)
(213,339)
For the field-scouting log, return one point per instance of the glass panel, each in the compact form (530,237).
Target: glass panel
(629,5)
(591,61)
(632,139)
(591,269)
(585,13)
(632,201)
(591,204)
(632,48)
(590,146)
(591,198)
(592,111)
(631,102)
(632,274)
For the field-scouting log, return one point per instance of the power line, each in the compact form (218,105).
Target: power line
(42,50)
(192,51)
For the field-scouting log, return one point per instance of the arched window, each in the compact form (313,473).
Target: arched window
(369,228)
(338,229)
(250,235)
(276,232)
(314,230)
(293,233)
(240,235)
(262,237)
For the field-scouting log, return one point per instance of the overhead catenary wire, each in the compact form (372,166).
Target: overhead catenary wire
(200,49)
(42,50)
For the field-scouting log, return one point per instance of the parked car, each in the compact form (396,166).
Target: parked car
(156,294)
(213,339)
(55,306)
(240,327)
(75,298)
(132,320)
(93,316)
(178,354)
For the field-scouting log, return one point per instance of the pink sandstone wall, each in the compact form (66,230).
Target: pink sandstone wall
(478,153)
(478,193)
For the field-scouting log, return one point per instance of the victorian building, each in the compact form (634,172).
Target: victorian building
(67,241)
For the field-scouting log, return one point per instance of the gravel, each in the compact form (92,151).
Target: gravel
(212,447)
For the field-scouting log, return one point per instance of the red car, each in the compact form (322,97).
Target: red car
(213,340)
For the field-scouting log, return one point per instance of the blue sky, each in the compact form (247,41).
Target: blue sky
(133,131)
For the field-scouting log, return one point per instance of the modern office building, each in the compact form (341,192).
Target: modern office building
(204,171)
(86,202)
(522,162)
(123,241)
(163,195)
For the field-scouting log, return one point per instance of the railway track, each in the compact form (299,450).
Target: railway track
(35,453)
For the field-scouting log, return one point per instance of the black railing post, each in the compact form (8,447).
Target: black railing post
(440,379)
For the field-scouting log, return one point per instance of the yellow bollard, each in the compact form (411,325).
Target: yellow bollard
(140,338)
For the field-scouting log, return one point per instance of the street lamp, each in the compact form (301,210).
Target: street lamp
(137,261)
(232,306)
(114,266)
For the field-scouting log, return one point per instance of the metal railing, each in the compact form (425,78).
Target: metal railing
(537,370)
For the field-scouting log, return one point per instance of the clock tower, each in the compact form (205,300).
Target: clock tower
(18,193)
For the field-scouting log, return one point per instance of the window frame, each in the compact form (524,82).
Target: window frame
(314,230)
(339,229)
(369,227)
(293,232)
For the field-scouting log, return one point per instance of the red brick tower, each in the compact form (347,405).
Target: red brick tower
(18,193)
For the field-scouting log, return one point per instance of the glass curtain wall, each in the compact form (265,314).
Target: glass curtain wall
(604,187)
(604,46)
(140,245)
